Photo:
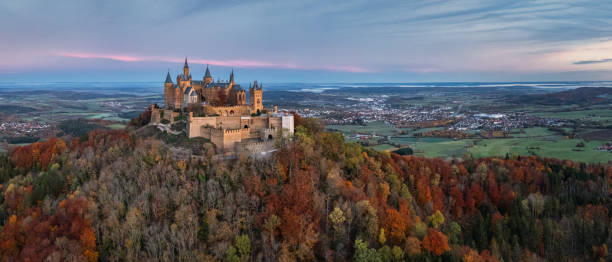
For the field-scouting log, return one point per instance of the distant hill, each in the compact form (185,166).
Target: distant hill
(580,96)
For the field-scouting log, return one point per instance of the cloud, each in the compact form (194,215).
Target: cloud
(225,63)
(357,36)
(587,62)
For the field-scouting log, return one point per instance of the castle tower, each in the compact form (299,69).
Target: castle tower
(232,78)
(207,77)
(256,97)
(186,68)
(169,91)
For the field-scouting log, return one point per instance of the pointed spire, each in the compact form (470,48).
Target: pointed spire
(186,65)
(232,76)
(168,77)
(207,74)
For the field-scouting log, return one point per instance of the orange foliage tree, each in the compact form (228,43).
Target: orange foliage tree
(32,237)
(39,153)
(435,242)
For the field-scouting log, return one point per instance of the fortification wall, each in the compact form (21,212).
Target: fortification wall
(259,122)
(196,124)
(256,147)
(241,110)
(268,134)
(230,122)
(217,137)
(231,137)
(275,122)
(157,114)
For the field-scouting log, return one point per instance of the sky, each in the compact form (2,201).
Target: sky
(307,40)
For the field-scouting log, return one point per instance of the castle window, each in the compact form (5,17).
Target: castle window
(270,137)
(232,113)
(246,126)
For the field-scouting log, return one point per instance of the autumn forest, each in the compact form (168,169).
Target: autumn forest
(119,196)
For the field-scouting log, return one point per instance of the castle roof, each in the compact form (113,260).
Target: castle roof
(184,77)
(207,74)
(168,78)
(186,65)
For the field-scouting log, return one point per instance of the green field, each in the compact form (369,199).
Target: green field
(116,126)
(593,115)
(530,141)
(378,128)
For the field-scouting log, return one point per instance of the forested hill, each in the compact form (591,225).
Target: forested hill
(113,196)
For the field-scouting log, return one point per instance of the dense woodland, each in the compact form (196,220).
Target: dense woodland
(115,196)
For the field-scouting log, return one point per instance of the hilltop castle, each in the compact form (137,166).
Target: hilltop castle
(219,111)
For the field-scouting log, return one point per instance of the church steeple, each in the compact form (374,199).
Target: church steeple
(232,77)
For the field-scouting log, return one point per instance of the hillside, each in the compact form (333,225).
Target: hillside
(580,96)
(115,196)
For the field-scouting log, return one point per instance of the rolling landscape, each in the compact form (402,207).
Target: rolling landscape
(367,131)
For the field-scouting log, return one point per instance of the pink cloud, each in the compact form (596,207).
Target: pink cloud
(102,56)
(227,63)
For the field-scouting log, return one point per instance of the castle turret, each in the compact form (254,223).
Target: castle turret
(168,79)
(232,77)
(207,77)
(169,91)
(256,97)
(186,68)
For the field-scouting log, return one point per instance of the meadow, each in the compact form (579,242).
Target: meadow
(529,141)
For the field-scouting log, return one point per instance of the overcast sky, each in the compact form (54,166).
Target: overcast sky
(307,41)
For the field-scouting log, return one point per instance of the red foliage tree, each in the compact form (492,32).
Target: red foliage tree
(32,237)
(435,242)
(493,190)
(39,153)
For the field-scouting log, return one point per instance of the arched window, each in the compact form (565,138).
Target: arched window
(246,126)
(270,137)
(232,113)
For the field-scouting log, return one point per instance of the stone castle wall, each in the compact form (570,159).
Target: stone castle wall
(157,114)
(240,110)
(256,147)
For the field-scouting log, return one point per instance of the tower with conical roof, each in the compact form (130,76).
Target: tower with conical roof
(169,91)
(232,77)
(207,77)
(256,98)
(186,68)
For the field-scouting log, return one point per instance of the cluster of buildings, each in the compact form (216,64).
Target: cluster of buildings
(115,105)
(607,147)
(220,111)
(22,128)
(502,122)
